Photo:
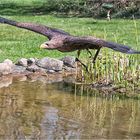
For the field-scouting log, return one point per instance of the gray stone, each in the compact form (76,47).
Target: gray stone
(35,68)
(19,69)
(9,62)
(50,64)
(31,61)
(5,68)
(23,62)
(69,69)
(69,61)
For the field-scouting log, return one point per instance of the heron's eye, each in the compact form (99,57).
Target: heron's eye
(47,44)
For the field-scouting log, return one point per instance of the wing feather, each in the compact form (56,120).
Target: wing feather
(41,29)
(95,43)
(77,42)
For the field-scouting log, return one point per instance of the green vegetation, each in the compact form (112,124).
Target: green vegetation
(111,66)
(16,43)
(80,8)
(114,68)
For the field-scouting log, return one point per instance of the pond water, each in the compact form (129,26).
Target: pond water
(37,110)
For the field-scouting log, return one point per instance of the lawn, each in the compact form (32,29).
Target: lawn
(16,43)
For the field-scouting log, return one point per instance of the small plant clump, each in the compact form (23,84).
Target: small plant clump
(111,68)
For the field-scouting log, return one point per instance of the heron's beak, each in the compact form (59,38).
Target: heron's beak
(43,46)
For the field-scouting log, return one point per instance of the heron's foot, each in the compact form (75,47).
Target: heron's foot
(82,64)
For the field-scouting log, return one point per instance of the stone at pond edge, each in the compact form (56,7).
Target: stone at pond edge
(69,69)
(50,64)
(22,62)
(19,69)
(31,61)
(35,68)
(6,67)
(9,62)
(69,61)
(43,66)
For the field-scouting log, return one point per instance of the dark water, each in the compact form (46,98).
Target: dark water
(36,110)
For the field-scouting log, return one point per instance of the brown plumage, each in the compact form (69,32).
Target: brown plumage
(64,42)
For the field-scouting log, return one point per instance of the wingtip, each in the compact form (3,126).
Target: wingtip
(2,19)
(7,21)
(131,51)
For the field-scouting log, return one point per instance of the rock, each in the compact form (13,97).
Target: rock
(69,61)
(23,62)
(35,68)
(5,68)
(9,62)
(31,61)
(69,69)
(33,76)
(50,64)
(19,69)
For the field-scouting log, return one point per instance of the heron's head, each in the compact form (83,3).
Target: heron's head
(54,43)
(47,45)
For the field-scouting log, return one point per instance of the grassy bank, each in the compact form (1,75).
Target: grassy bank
(16,43)
(112,66)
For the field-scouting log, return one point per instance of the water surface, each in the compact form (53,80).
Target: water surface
(37,110)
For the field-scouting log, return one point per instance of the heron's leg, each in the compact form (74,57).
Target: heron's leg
(78,53)
(89,52)
(97,52)
(77,59)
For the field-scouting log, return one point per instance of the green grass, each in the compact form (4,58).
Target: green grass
(16,43)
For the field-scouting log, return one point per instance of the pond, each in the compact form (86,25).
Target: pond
(38,110)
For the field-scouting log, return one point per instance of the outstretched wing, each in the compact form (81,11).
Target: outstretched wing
(41,29)
(95,43)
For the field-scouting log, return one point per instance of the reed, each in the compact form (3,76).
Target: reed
(116,68)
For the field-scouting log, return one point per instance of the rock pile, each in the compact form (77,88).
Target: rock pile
(44,65)
(6,67)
